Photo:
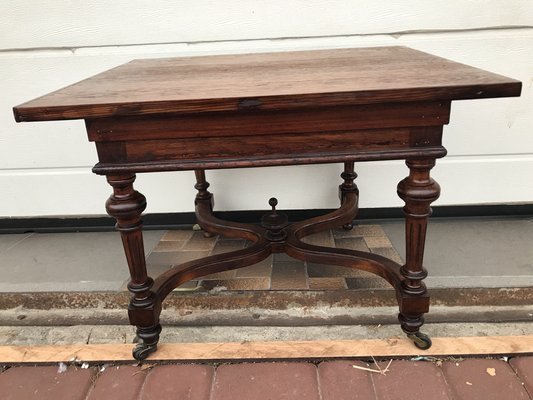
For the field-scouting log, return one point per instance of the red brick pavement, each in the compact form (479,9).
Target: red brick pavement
(448,380)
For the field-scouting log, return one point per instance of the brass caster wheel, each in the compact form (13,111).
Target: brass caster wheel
(141,351)
(421,340)
(208,234)
(347,227)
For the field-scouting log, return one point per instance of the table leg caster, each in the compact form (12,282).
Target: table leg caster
(347,227)
(206,234)
(421,340)
(142,350)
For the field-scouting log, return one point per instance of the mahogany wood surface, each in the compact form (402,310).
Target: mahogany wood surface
(268,81)
(256,110)
(271,122)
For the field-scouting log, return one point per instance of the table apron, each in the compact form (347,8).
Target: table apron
(269,122)
(268,150)
(269,137)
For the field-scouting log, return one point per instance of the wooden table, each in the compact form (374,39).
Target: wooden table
(255,110)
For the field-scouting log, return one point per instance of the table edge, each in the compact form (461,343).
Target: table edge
(23,113)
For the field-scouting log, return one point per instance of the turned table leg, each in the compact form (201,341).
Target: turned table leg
(203,195)
(418,191)
(347,186)
(126,206)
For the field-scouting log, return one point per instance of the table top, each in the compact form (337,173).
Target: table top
(268,81)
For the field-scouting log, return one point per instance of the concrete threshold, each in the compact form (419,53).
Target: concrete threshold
(254,316)
(267,308)
(117,334)
(268,299)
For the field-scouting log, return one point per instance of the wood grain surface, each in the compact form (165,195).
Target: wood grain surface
(271,122)
(321,349)
(284,80)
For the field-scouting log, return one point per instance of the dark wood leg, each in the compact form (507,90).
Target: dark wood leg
(347,186)
(203,195)
(126,206)
(418,191)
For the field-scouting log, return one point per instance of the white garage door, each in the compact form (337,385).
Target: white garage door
(45,167)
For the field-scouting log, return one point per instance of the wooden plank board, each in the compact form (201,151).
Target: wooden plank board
(322,349)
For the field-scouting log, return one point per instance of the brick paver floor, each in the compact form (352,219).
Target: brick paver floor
(470,379)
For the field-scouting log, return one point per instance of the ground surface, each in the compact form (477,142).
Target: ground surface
(450,379)
(472,252)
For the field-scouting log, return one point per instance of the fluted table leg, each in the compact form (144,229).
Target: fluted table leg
(126,206)
(418,191)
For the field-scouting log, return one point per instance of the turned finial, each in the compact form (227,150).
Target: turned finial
(274,222)
(273,202)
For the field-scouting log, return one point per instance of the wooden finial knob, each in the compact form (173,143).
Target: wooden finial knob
(274,223)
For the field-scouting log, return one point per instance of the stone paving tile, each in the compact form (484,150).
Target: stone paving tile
(189,285)
(224,275)
(351,243)
(177,235)
(411,380)
(324,238)
(169,245)
(262,269)
(289,276)
(237,284)
(360,230)
(122,382)
(377,241)
(180,381)
(367,282)
(227,245)
(339,380)
(154,270)
(199,242)
(282,257)
(327,283)
(45,383)
(285,272)
(315,270)
(523,366)
(341,233)
(483,379)
(261,381)
(175,257)
(388,252)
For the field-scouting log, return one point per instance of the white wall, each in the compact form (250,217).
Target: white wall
(44,45)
